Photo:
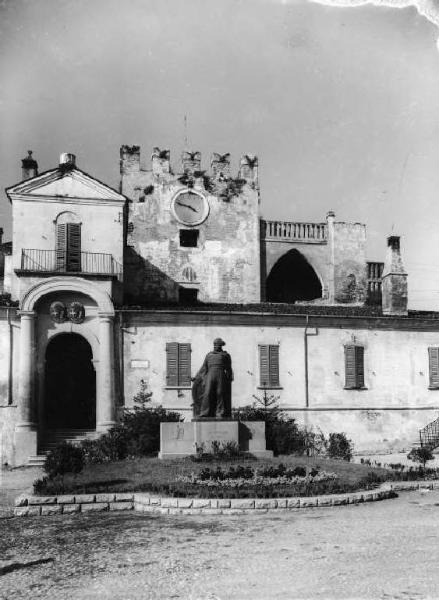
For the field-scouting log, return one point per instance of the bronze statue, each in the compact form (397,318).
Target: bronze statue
(212,385)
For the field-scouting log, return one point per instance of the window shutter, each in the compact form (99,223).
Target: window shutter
(359,365)
(264,365)
(172,364)
(354,367)
(61,247)
(274,365)
(73,247)
(433,355)
(184,365)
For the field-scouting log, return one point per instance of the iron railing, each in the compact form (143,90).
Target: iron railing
(97,263)
(429,435)
(312,233)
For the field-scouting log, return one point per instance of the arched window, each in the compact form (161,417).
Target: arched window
(68,242)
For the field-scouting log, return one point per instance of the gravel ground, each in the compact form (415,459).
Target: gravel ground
(378,550)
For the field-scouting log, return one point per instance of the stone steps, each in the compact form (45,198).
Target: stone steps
(52,438)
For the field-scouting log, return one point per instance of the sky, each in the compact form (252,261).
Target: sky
(338,98)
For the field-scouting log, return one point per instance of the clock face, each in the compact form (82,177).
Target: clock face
(190,208)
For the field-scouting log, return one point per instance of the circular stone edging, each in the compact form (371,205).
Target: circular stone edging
(144,502)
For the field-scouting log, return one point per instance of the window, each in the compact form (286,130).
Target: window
(433,362)
(68,247)
(354,367)
(187,295)
(178,365)
(189,238)
(269,366)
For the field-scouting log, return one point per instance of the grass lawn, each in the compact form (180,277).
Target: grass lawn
(152,474)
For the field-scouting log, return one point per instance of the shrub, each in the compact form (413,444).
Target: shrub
(372,479)
(339,446)
(138,433)
(282,433)
(420,455)
(48,486)
(64,458)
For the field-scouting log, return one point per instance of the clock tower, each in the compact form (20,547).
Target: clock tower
(192,235)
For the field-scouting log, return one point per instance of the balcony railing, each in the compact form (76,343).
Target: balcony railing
(53,261)
(284,231)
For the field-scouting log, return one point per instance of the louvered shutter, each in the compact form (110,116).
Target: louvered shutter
(73,247)
(61,247)
(184,365)
(349,354)
(264,365)
(274,366)
(172,364)
(433,355)
(354,366)
(359,366)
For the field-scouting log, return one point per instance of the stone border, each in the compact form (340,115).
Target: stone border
(145,502)
(29,506)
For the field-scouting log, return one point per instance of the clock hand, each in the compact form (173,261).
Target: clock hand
(186,206)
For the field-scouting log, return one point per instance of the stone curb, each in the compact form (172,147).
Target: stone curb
(144,502)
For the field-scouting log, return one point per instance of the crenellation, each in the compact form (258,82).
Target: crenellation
(191,161)
(248,169)
(161,162)
(220,166)
(129,159)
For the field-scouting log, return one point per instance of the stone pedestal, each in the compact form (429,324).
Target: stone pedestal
(178,440)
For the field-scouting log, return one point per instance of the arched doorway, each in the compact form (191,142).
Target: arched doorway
(292,278)
(70,384)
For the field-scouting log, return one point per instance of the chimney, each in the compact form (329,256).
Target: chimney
(161,161)
(191,161)
(67,160)
(129,159)
(29,166)
(248,169)
(394,280)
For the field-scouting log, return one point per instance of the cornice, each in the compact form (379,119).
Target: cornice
(67,199)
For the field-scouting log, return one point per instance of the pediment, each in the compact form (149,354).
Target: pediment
(74,184)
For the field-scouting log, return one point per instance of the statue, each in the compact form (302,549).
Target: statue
(212,385)
(58,312)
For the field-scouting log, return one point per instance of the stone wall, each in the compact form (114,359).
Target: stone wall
(349,260)
(339,263)
(224,267)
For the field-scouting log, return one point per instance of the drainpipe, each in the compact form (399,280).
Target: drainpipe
(306,333)
(8,313)
(121,361)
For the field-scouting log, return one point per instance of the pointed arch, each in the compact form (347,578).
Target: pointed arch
(292,278)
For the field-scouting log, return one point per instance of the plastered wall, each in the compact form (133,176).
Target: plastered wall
(386,415)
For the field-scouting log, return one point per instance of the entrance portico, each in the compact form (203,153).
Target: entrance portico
(39,328)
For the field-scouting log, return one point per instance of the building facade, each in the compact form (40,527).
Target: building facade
(107,292)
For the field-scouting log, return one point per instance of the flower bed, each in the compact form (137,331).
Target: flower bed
(160,477)
(246,481)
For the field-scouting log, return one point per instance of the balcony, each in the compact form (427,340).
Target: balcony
(80,263)
(284,231)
